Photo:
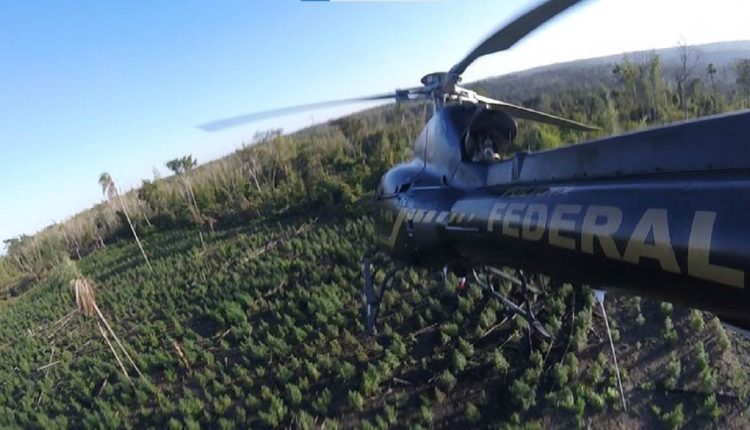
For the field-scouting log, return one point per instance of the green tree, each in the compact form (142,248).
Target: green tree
(182,167)
(742,68)
(690,57)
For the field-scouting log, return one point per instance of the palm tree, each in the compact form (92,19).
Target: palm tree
(109,189)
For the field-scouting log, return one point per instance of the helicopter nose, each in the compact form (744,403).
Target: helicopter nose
(389,216)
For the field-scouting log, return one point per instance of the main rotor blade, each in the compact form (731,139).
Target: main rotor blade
(400,95)
(508,35)
(535,115)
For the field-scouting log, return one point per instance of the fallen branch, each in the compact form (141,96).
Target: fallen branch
(401,381)
(491,329)
(420,331)
(46,374)
(68,318)
(181,355)
(274,243)
(48,365)
(117,340)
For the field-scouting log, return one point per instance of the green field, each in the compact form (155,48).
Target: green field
(251,317)
(267,321)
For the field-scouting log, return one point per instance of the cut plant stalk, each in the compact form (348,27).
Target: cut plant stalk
(110,190)
(86,303)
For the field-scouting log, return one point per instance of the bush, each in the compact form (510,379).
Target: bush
(668,331)
(499,362)
(674,369)
(347,371)
(696,321)
(458,361)
(447,380)
(710,408)
(370,380)
(673,419)
(721,334)
(472,413)
(293,394)
(466,347)
(425,412)
(275,414)
(322,402)
(560,375)
(666,309)
(522,394)
(356,400)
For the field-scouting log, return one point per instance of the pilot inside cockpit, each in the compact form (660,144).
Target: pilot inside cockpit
(486,146)
(489,136)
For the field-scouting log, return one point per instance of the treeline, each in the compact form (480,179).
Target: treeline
(330,168)
(326,168)
(687,68)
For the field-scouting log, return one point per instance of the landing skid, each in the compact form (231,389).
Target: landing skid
(487,278)
(528,314)
(374,296)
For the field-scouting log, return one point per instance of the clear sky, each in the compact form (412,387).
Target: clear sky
(92,86)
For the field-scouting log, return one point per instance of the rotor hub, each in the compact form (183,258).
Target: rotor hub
(434,79)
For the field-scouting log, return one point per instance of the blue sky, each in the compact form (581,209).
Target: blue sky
(92,86)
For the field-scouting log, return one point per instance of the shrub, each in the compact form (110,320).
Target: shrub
(721,334)
(710,408)
(425,412)
(640,319)
(673,419)
(356,400)
(275,413)
(666,308)
(466,347)
(472,413)
(668,331)
(322,402)
(447,380)
(347,371)
(370,380)
(293,394)
(458,361)
(674,369)
(560,374)
(499,362)
(696,321)
(522,394)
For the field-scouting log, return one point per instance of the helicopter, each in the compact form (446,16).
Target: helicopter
(659,213)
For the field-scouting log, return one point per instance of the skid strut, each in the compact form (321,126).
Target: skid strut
(372,296)
(527,314)
(600,298)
